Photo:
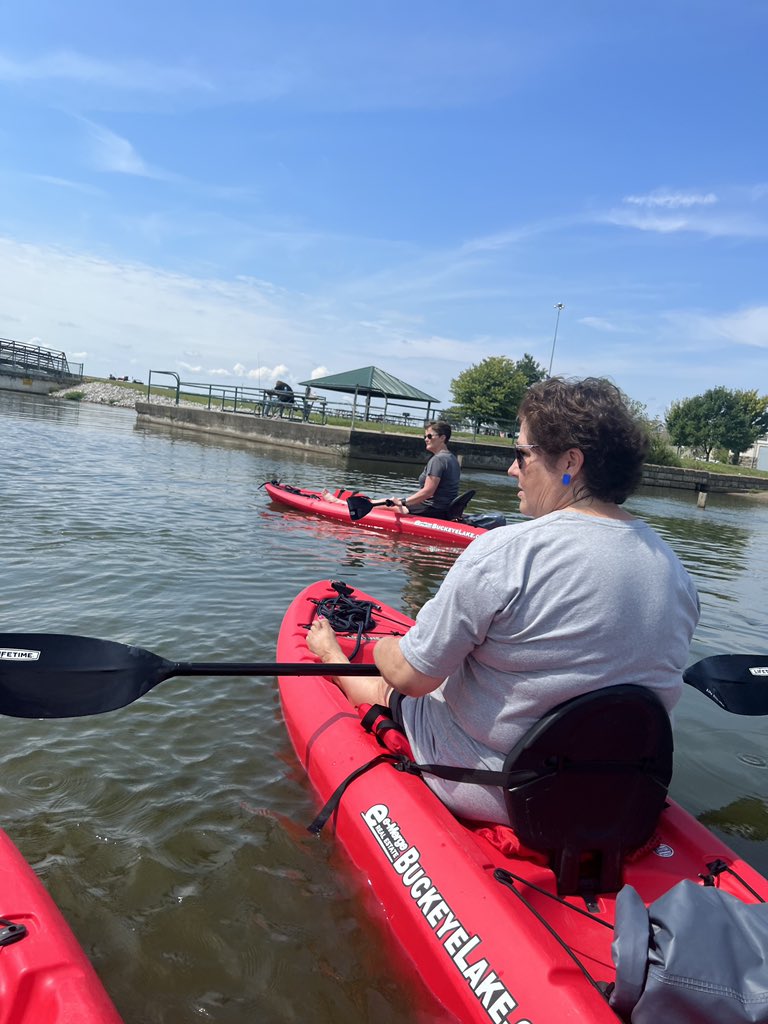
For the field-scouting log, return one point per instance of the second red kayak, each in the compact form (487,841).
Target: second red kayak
(379,518)
(45,977)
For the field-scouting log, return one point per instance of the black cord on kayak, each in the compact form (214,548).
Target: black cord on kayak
(508,879)
(347,614)
(716,867)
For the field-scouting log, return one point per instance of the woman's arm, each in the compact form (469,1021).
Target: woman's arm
(399,672)
(429,488)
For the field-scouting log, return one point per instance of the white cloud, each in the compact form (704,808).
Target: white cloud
(70,66)
(111,152)
(746,327)
(598,323)
(319,371)
(672,200)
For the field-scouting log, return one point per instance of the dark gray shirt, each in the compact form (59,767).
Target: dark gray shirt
(446,466)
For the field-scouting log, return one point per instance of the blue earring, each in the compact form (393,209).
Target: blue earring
(566,479)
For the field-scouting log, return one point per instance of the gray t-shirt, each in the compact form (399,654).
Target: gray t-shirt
(530,615)
(446,466)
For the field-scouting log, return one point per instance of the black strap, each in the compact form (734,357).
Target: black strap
(378,721)
(334,799)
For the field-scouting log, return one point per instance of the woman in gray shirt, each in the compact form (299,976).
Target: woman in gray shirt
(583,596)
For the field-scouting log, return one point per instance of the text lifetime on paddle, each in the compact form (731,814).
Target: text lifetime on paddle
(16,654)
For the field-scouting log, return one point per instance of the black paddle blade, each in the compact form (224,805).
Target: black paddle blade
(737,682)
(359,507)
(52,675)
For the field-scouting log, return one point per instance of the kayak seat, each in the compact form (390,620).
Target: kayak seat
(455,510)
(601,765)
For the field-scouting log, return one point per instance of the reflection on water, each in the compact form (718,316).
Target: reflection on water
(172,833)
(746,817)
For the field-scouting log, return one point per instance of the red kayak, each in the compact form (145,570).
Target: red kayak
(45,977)
(488,951)
(379,518)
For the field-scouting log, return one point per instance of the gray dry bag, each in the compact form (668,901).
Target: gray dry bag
(697,954)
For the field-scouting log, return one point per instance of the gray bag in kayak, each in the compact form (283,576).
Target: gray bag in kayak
(696,954)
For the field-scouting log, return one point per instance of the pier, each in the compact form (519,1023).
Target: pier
(34,368)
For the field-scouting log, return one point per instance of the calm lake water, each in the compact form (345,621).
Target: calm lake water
(172,832)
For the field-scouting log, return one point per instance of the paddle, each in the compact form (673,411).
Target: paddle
(737,682)
(359,507)
(53,675)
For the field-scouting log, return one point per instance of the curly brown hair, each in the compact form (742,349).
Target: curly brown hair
(591,414)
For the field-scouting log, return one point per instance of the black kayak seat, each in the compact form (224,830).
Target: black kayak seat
(602,763)
(454,511)
(456,508)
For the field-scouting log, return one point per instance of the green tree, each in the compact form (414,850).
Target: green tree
(720,418)
(748,422)
(491,391)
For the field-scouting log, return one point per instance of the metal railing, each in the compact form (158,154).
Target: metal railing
(234,398)
(18,355)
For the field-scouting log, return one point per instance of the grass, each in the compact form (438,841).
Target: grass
(723,468)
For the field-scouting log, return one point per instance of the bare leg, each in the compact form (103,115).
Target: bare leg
(358,690)
(327,496)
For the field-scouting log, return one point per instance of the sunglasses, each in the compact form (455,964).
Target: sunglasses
(428,437)
(520,455)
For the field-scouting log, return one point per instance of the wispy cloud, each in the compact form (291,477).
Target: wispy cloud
(70,66)
(111,152)
(75,186)
(672,200)
(598,323)
(744,327)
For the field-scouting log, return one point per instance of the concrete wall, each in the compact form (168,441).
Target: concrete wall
(261,430)
(31,385)
(374,446)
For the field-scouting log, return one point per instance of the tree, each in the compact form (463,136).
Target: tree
(749,421)
(720,418)
(491,391)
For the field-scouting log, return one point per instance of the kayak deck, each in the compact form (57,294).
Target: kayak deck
(45,977)
(379,518)
(480,949)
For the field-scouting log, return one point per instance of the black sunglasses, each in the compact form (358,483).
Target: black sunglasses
(428,437)
(521,455)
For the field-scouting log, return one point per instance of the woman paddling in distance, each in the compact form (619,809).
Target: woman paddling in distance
(581,597)
(439,482)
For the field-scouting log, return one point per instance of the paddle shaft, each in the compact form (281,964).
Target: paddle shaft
(269,668)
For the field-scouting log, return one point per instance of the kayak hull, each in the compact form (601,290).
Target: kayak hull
(379,518)
(478,948)
(45,977)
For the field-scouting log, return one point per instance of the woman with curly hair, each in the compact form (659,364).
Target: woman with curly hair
(581,597)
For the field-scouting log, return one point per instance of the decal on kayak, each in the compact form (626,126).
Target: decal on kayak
(405,859)
(16,654)
(759,670)
(440,527)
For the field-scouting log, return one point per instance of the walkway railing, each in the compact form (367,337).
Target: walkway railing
(234,398)
(17,355)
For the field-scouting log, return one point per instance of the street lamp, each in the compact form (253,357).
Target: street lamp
(559,307)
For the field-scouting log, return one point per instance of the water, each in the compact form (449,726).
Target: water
(172,832)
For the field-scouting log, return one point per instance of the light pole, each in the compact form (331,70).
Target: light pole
(559,307)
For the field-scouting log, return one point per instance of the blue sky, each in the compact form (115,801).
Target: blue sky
(246,190)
